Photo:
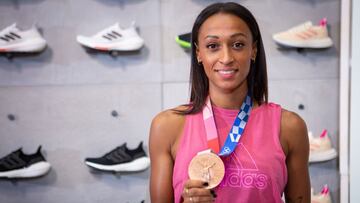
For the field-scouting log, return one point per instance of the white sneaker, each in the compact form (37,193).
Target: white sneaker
(113,38)
(320,148)
(305,35)
(12,39)
(322,197)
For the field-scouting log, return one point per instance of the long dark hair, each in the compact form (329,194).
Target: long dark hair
(257,77)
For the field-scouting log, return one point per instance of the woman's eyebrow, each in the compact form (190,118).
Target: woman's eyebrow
(232,36)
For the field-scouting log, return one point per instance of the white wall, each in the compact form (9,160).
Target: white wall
(355,108)
(64,97)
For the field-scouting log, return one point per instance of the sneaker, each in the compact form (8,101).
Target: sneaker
(113,38)
(322,197)
(320,148)
(20,165)
(12,39)
(121,159)
(184,40)
(305,35)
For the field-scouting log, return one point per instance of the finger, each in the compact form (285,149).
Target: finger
(199,195)
(201,199)
(195,191)
(196,188)
(195,184)
(185,192)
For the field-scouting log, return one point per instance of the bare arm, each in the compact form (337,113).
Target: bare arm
(164,130)
(296,144)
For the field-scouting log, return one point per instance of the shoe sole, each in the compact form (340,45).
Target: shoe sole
(35,170)
(129,45)
(182,43)
(28,46)
(136,165)
(322,156)
(320,199)
(318,44)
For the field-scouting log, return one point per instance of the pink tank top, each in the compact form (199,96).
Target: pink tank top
(254,172)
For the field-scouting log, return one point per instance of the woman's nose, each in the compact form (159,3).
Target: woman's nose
(226,56)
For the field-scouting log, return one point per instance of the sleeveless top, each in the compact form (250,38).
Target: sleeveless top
(255,172)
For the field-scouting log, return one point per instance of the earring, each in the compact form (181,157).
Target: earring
(199,61)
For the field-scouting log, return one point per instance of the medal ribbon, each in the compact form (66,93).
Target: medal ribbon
(236,130)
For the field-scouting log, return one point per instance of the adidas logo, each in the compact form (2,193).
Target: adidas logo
(10,37)
(112,35)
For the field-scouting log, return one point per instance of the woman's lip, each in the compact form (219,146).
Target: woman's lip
(226,70)
(226,74)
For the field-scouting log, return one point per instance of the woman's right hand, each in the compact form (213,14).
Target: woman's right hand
(195,191)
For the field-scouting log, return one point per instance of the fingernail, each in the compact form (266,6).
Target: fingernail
(213,193)
(206,184)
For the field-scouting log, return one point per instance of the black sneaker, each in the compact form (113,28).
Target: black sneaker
(20,165)
(184,40)
(121,159)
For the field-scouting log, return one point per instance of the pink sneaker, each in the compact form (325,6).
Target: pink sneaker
(322,197)
(305,35)
(320,148)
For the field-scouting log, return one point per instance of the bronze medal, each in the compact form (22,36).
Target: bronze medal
(208,167)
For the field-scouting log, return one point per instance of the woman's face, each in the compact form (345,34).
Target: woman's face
(225,48)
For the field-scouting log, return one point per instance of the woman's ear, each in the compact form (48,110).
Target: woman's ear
(254,51)
(197,53)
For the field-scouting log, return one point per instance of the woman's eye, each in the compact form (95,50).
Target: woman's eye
(211,46)
(238,45)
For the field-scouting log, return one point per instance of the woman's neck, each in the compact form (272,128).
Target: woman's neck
(228,100)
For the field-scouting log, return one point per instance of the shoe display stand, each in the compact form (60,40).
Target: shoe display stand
(65,98)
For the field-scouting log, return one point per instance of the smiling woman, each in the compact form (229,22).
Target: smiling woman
(225,51)
(260,148)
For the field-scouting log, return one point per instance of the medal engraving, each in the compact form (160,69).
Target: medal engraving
(208,167)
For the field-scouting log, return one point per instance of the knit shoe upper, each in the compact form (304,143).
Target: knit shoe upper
(113,38)
(305,35)
(321,148)
(12,39)
(184,40)
(121,159)
(322,197)
(20,165)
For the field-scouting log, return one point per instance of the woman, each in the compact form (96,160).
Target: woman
(271,156)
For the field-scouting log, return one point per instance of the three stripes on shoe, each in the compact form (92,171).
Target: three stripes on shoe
(20,165)
(9,37)
(112,35)
(121,159)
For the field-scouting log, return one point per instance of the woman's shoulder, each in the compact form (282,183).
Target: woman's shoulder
(166,129)
(170,116)
(168,122)
(291,120)
(293,129)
